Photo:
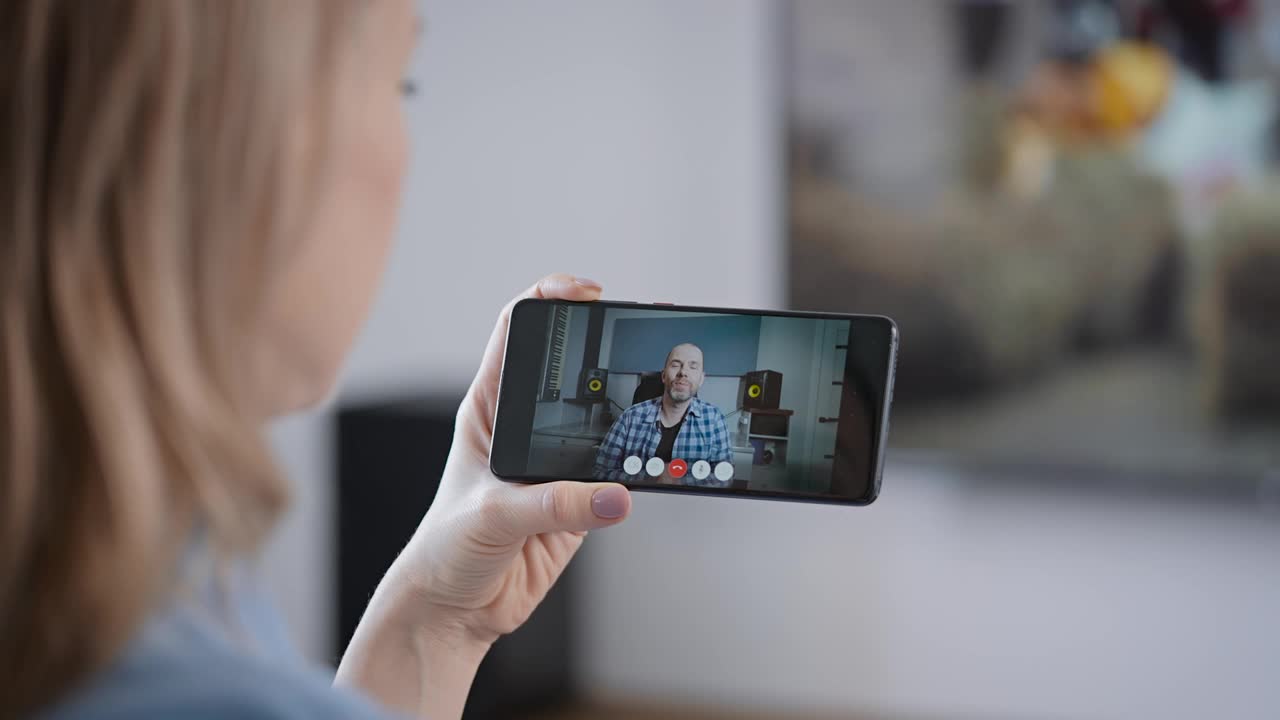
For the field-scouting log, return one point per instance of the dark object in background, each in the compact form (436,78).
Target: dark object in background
(649,387)
(1239,307)
(1201,29)
(593,384)
(390,458)
(773,422)
(980,29)
(760,389)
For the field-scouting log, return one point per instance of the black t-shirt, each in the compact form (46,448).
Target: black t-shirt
(668,441)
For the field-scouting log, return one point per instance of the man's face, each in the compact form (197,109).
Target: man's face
(683,374)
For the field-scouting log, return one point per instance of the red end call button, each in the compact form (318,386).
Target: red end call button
(679,468)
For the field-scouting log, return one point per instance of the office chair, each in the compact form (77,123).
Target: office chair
(649,387)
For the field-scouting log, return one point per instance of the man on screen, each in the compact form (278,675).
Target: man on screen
(677,425)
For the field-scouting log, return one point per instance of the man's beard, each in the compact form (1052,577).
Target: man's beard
(679,395)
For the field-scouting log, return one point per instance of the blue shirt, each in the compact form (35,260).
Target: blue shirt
(201,660)
(639,430)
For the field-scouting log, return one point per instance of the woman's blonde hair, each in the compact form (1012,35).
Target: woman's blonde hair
(148,156)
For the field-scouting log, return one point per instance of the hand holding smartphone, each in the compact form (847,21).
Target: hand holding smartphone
(786,405)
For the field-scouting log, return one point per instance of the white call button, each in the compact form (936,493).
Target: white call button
(655,466)
(701,469)
(633,465)
(724,471)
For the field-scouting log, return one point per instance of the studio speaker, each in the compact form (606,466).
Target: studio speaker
(760,390)
(592,384)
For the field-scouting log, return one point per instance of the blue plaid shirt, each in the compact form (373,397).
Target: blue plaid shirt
(638,430)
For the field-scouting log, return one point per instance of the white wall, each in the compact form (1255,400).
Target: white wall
(788,346)
(631,142)
(574,135)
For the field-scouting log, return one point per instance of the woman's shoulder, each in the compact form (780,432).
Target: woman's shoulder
(184,664)
(200,688)
(213,689)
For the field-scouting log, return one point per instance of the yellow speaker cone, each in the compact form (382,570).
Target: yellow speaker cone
(595,385)
(754,391)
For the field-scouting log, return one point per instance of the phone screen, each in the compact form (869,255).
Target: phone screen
(769,404)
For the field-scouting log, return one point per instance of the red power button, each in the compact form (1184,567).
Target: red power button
(679,468)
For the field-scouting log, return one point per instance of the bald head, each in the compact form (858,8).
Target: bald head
(682,375)
(686,350)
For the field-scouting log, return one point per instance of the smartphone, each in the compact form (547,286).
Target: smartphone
(748,403)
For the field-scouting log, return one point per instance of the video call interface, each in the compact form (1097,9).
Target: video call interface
(644,396)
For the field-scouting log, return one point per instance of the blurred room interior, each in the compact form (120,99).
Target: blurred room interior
(1072,208)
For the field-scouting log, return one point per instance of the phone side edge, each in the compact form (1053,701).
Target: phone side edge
(502,384)
(885,420)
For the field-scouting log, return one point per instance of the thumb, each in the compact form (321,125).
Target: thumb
(567,506)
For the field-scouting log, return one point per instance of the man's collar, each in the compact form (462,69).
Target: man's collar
(695,406)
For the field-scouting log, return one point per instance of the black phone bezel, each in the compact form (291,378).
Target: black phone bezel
(870,371)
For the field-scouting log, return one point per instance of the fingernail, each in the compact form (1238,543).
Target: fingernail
(610,502)
(588,283)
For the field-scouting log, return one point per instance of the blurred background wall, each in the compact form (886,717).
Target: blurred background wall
(641,143)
